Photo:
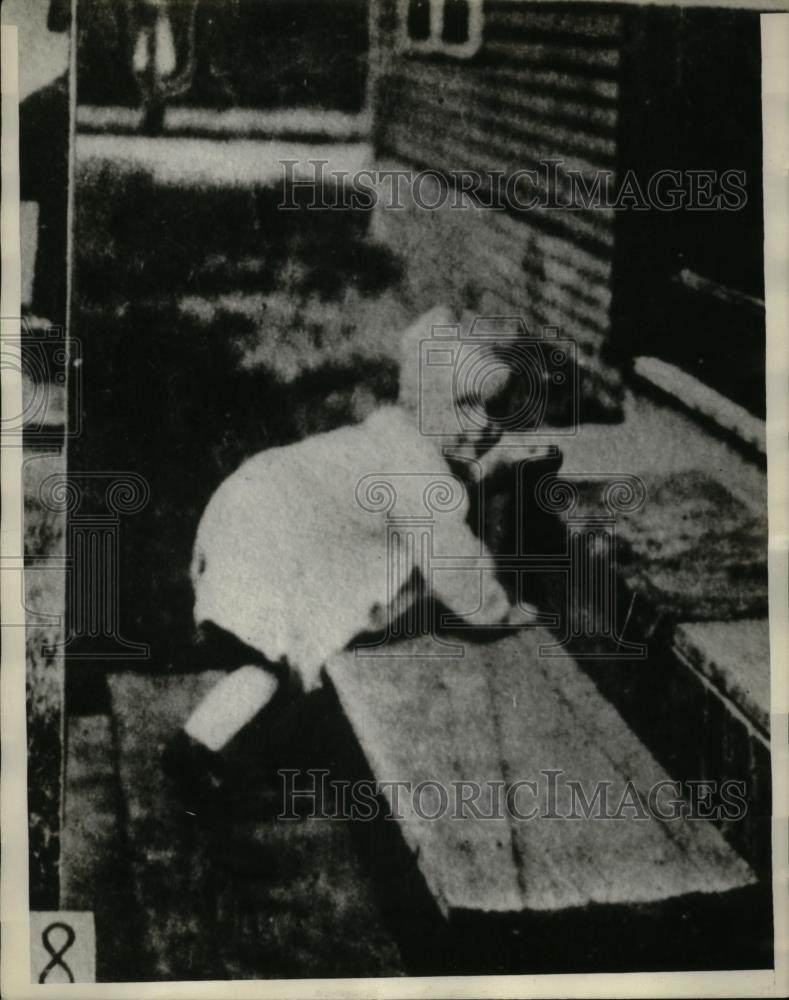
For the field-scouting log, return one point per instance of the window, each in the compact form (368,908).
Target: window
(451,27)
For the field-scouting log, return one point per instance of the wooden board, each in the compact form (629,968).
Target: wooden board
(692,552)
(502,713)
(735,657)
(431,720)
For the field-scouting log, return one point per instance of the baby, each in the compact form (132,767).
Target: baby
(291,562)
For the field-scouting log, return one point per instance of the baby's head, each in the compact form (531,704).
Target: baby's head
(452,380)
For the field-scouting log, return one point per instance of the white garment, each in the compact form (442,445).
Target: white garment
(291,561)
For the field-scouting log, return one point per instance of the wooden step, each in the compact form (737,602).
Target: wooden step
(502,713)
(308,125)
(693,551)
(692,586)
(722,677)
(211,163)
(734,656)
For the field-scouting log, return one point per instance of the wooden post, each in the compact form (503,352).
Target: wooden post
(45,146)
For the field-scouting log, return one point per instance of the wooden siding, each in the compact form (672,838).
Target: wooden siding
(543,86)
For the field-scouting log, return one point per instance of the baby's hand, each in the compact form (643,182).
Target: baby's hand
(522,614)
(509,452)
(497,609)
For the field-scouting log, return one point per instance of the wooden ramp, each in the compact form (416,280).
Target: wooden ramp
(503,714)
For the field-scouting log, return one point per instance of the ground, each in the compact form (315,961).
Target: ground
(243,897)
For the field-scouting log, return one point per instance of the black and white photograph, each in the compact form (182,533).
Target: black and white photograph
(389,387)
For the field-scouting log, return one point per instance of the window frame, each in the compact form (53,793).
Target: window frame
(434,44)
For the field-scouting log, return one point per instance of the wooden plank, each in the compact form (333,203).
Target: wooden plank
(565,56)
(418,141)
(420,719)
(553,718)
(518,141)
(502,712)
(516,120)
(735,657)
(704,400)
(591,88)
(305,124)
(510,17)
(535,91)
(216,163)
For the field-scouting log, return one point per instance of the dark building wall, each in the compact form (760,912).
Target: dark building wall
(544,84)
(605,90)
(690,283)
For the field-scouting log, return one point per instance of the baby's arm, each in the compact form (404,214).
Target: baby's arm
(507,453)
(470,592)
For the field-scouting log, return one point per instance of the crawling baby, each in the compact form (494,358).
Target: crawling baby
(289,562)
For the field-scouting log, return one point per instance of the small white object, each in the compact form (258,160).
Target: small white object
(165,46)
(140,58)
(229,706)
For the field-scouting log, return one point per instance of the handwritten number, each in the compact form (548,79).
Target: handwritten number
(57,954)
